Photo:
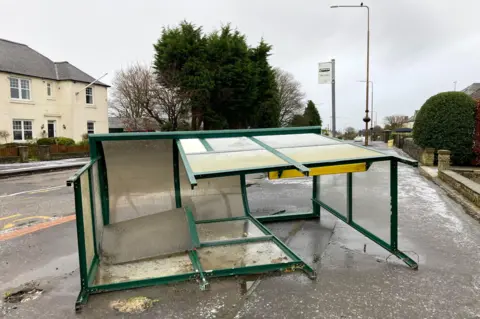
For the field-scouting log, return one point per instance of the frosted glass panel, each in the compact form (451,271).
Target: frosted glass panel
(327,153)
(214,162)
(233,144)
(295,140)
(192,145)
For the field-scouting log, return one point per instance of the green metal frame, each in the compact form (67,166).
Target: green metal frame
(87,276)
(348,218)
(287,159)
(191,176)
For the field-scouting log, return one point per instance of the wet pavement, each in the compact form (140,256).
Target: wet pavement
(356,278)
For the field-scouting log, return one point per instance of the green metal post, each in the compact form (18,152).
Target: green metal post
(315,192)
(83,296)
(176,175)
(186,164)
(349,197)
(243,186)
(394,204)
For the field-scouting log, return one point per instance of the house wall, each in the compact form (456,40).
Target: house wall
(69,111)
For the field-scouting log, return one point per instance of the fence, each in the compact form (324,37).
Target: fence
(9,154)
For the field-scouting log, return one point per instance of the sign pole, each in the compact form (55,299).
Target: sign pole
(334,127)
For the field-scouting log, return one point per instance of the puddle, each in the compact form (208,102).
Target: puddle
(23,295)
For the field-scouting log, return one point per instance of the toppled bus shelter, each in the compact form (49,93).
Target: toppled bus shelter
(156,208)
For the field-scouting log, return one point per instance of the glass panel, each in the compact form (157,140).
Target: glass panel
(371,197)
(149,236)
(140,178)
(332,191)
(17,125)
(97,204)
(192,145)
(228,230)
(296,140)
(25,94)
(14,93)
(327,153)
(17,135)
(213,198)
(144,269)
(233,144)
(87,219)
(13,83)
(241,255)
(25,84)
(28,135)
(27,125)
(215,162)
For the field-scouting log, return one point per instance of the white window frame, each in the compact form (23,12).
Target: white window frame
(90,88)
(19,88)
(22,129)
(88,130)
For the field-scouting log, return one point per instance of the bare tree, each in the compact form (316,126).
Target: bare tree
(395,121)
(290,96)
(172,103)
(133,93)
(142,98)
(350,133)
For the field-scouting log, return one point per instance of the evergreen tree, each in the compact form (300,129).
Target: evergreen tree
(311,115)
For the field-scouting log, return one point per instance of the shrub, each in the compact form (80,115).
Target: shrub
(64,141)
(82,143)
(46,141)
(447,121)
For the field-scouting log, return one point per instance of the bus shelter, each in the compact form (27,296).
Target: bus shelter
(156,208)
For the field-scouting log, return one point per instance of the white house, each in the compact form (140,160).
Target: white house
(42,98)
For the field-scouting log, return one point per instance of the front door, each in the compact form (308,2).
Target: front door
(51,129)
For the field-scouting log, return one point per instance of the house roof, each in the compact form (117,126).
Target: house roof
(473,90)
(20,59)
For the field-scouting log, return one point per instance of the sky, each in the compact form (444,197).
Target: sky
(417,47)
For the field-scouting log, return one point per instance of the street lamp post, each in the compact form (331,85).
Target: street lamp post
(371,105)
(366,119)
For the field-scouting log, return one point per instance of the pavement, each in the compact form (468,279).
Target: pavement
(356,278)
(15,169)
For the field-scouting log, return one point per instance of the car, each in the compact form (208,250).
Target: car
(359,139)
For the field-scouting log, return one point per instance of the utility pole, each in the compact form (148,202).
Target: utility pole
(366,119)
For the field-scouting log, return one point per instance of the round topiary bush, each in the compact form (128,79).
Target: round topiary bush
(64,141)
(447,121)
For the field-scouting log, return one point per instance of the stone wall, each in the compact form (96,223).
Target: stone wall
(468,188)
(412,149)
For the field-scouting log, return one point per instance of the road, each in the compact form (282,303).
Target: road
(33,199)
(355,279)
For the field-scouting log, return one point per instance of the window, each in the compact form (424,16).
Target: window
(89,95)
(49,89)
(19,89)
(22,130)
(90,127)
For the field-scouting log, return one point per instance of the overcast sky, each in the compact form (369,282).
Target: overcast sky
(418,47)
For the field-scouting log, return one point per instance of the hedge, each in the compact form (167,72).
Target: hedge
(447,121)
